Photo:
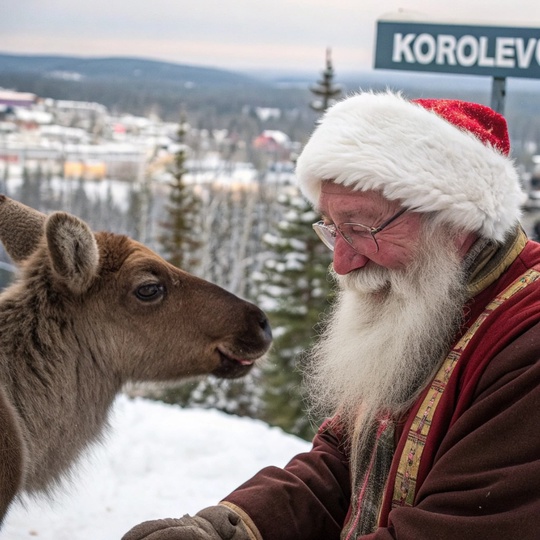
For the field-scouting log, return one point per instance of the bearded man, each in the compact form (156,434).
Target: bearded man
(429,365)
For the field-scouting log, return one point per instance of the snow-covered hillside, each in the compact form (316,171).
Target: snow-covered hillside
(158,461)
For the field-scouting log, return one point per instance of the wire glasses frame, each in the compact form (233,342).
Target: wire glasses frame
(355,234)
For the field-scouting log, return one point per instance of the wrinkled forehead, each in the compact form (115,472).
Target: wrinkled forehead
(334,196)
(331,187)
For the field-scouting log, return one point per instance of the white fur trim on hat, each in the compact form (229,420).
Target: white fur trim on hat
(384,142)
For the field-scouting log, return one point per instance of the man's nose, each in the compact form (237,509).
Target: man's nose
(346,259)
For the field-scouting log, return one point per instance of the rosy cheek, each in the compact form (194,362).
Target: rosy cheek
(395,257)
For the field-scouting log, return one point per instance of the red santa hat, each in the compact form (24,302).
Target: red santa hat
(444,156)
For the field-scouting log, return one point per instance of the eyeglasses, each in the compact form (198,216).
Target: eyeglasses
(360,237)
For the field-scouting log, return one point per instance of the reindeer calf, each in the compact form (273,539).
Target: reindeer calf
(88,313)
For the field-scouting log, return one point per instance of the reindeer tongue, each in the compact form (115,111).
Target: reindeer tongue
(245,362)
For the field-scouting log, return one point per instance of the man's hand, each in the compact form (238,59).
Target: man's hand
(212,523)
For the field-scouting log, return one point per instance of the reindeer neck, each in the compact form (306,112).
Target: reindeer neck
(57,385)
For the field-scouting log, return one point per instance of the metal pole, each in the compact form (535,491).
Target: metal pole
(498,93)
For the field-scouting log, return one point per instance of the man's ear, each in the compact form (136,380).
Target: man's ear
(464,241)
(73,251)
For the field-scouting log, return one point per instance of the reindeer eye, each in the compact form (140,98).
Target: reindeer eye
(149,292)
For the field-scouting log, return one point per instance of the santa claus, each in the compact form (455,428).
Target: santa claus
(428,366)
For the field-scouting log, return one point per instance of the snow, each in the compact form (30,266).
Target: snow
(157,461)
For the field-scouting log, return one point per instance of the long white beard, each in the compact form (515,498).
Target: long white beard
(386,337)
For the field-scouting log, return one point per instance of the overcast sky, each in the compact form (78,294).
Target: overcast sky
(231,34)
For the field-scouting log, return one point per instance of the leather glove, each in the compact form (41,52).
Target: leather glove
(212,523)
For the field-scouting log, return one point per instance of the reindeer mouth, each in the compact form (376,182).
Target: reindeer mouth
(232,366)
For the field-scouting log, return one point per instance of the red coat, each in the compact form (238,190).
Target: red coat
(479,476)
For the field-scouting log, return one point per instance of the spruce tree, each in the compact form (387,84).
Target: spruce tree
(230,258)
(30,193)
(181,243)
(294,290)
(326,91)
(181,230)
(5,178)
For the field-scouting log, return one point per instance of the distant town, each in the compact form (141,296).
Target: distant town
(115,171)
(83,140)
(236,130)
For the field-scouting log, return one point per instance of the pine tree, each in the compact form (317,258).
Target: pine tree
(5,179)
(80,201)
(230,256)
(294,291)
(181,236)
(181,242)
(325,89)
(30,192)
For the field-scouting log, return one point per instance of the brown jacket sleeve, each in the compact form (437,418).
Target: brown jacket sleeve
(309,498)
(485,481)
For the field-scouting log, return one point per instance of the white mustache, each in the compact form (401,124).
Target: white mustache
(388,333)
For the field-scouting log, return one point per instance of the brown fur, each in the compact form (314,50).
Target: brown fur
(74,328)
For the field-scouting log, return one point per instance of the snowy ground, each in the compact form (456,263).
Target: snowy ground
(158,461)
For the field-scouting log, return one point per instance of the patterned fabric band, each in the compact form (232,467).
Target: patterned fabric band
(405,482)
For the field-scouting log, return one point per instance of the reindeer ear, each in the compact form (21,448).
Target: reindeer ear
(21,228)
(73,250)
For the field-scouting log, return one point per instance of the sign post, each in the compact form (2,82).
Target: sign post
(498,93)
(498,52)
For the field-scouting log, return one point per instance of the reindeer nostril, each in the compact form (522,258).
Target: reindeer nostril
(266,328)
